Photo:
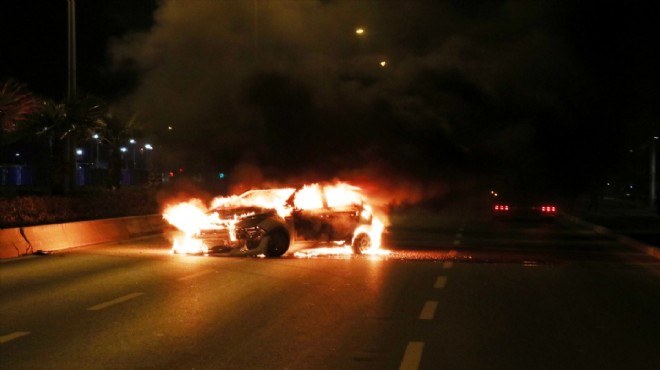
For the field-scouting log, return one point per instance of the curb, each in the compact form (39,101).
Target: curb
(648,249)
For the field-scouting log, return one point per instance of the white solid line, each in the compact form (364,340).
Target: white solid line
(412,357)
(195,275)
(12,336)
(447,264)
(103,305)
(428,311)
(440,282)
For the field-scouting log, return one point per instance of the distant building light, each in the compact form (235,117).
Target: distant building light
(132,141)
(148,146)
(18,154)
(359,31)
(123,149)
(95,136)
(79,151)
(383,63)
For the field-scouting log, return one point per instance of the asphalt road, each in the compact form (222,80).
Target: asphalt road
(458,291)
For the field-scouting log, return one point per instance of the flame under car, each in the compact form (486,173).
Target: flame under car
(273,222)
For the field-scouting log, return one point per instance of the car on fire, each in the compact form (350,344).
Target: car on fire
(273,222)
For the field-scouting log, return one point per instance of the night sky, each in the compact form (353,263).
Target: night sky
(550,94)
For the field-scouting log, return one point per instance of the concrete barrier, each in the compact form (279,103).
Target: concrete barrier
(16,242)
(12,243)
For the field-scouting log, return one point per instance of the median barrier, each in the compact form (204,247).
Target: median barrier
(12,243)
(94,232)
(16,242)
(46,237)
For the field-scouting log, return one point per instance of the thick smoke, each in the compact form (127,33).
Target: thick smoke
(280,90)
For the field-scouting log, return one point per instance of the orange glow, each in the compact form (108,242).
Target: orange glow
(188,216)
(342,195)
(309,197)
(270,199)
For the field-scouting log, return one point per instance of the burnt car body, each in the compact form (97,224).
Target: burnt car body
(245,227)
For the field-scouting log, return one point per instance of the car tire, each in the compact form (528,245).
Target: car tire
(361,243)
(278,244)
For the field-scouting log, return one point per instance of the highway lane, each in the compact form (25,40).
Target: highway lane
(459,292)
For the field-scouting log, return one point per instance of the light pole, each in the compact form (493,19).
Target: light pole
(148,148)
(72,51)
(652,193)
(123,150)
(96,162)
(69,142)
(133,142)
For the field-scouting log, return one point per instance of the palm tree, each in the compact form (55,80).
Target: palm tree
(63,124)
(116,131)
(17,105)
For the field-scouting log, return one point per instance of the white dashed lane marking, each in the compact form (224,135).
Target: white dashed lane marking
(113,302)
(428,311)
(195,275)
(412,357)
(440,282)
(15,335)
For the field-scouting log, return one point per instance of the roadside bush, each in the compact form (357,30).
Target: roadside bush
(86,204)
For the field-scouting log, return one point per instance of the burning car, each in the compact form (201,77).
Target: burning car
(273,222)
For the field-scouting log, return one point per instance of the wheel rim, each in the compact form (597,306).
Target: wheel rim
(361,243)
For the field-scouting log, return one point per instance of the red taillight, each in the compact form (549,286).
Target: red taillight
(501,207)
(548,209)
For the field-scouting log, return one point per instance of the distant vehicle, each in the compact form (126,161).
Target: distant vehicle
(272,222)
(523,207)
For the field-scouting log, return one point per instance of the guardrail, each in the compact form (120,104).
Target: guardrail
(23,241)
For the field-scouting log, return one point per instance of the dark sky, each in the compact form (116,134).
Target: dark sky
(543,93)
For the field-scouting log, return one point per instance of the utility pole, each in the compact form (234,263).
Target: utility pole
(69,156)
(652,193)
(71,85)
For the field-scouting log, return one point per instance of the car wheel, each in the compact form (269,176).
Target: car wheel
(278,244)
(361,243)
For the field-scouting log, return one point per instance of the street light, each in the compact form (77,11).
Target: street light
(123,150)
(96,137)
(145,157)
(79,156)
(133,142)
